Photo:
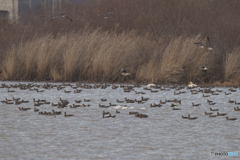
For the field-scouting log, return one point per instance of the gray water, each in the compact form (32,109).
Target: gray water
(163,135)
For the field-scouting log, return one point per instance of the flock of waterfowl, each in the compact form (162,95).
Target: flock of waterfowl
(138,90)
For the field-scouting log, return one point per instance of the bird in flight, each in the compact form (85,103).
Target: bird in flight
(124,72)
(60,15)
(105,16)
(208,46)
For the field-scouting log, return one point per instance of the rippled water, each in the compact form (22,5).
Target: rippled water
(163,135)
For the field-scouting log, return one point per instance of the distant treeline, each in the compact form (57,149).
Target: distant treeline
(151,39)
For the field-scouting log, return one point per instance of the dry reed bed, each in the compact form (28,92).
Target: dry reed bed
(99,56)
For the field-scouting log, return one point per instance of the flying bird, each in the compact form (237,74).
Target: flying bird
(105,16)
(124,72)
(209,47)
(59,15)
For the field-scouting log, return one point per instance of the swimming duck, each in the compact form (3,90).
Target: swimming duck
(68,115)
(191,118)
(232,119)
(221,114)
(214,109)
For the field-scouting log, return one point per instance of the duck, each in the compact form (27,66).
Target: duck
(184,117)
(211,109)
(191,118)
(196,104)
(120,101)
(206,95)
(231,119)
(176,109)
(221,114)
(227,93)
(237,103)
(236,109)
(86,100)
(210,115)
(144,99)
(102,99)
(206,113)
(68,115)
(78,101)
(124,72)
(143,108)
(117,111)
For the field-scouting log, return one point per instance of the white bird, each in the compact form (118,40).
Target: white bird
(131,107)
(151,85)
(123,107)
(117,107)
(143,108)
(191,85)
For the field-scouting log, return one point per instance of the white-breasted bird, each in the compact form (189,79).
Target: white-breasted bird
(105,16)
(124,72)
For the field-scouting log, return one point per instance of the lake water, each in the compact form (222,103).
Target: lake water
(86,135)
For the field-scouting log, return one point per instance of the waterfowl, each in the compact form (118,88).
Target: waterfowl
(184,117)
(61,15)
(117,111)
(65,91)
(191,85)
(142,108)
(139,92)
(102,99)
(218,90)
(161,102)
(144,99)
(54,104)
(131,113)
(10,90)
(120,101)
(36,110)
(117,107)
(211,103)
(173,105)
(191,118)
(211,109)
(195,104)
(78,101)
(154,91)
(232,119)
(123,107)
(214,93)
(151,85)
(23,109)
(176,108)
(199,44)
(106,15)
(237,103)
(206,95)
(221,114)
(86,100)
(213,115)
(229,101)
(131,107)
(206,113)
(124,72)
(68,115)
(110,104)
(56,112)
(227,93)
(105,113)
(236,109)
(112,116)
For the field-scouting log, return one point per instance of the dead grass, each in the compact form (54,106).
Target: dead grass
(152,39)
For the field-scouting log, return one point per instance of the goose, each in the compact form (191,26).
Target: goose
(68,115)
(221,114)
(203,68)
(184,117)
(237,103)
(209,47)
(232,119)
(206,113)
(131,107)
(211,109)
(61,15)
(195,104)
(236,109)
(191,118)
(229,101)
(105,16)
(199,44)
(227,93)
(124,72)
(143,108)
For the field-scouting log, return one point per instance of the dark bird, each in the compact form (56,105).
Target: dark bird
(59,15)
(124,72)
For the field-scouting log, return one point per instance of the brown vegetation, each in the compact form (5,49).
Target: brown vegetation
(151,39)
